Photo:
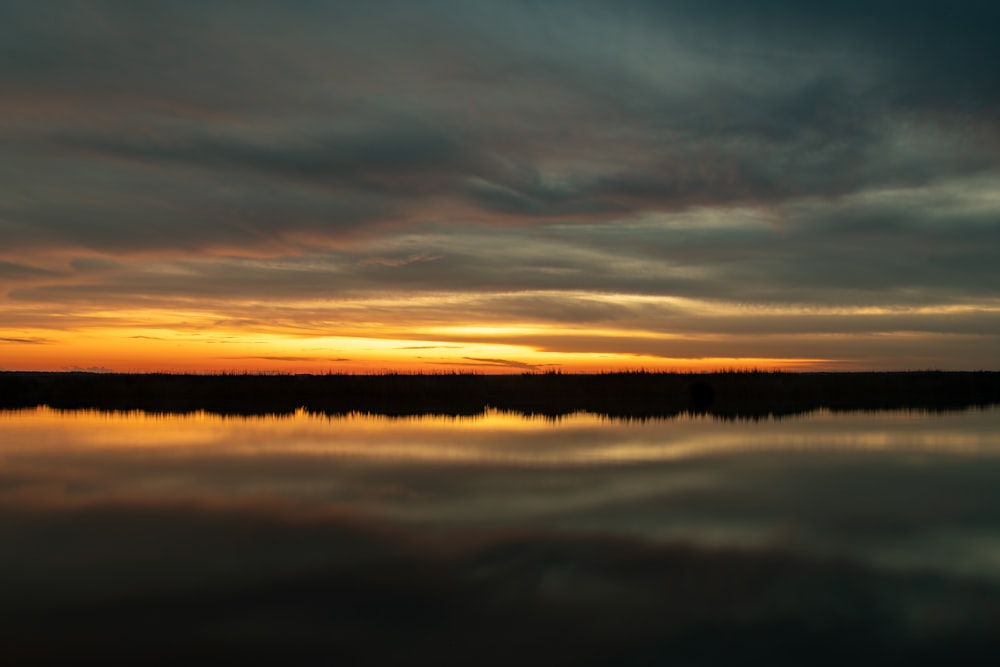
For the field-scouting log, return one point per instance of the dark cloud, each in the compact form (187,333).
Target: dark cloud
(853,253)
(669,123)
(18,271)
(392,160)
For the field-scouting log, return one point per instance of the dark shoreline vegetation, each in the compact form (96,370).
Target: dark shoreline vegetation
(750,394)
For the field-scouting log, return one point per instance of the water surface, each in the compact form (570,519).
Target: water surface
(105,507)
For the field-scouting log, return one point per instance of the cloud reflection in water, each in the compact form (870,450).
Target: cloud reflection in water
(642,541)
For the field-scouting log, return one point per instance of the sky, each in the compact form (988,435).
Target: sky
(487,186)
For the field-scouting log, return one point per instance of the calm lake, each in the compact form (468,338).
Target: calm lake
(269,531)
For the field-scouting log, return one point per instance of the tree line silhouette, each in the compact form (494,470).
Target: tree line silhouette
(737,394)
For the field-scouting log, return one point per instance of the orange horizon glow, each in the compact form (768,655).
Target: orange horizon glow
(125,354)
(466,348)
(438,333)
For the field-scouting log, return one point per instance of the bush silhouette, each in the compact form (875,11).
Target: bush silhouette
(702,396)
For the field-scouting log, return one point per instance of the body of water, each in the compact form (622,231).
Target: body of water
(427,538)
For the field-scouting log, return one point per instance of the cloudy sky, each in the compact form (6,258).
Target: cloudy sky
(499,185)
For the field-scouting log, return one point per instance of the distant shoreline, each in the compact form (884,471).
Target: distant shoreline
(626,394)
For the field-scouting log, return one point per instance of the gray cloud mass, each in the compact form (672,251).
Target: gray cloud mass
(768,153)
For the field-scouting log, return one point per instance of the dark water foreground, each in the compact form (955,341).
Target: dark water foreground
(617,394)
(831,538)
(171,584)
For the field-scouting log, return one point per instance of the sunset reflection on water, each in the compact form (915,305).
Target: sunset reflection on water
(690,477)
(495,436)
(100,507)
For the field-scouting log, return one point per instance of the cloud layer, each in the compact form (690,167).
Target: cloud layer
(796,160)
